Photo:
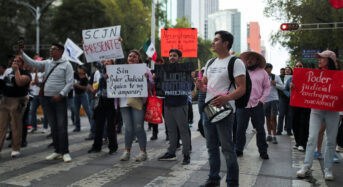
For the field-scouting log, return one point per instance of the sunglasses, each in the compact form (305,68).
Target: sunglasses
(298,66)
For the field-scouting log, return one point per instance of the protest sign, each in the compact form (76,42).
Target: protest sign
(102,44)
(173,79)
(183,39)
(319,89)
(72,51)
(127,80)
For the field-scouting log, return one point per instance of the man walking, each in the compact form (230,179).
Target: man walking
(216,77)
(271,106)
(58,81)
(259,92)
(176,117)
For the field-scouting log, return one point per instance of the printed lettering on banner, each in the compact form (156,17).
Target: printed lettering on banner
(319,89)
(102,44)
(183,39)
(173,79)
(127,80)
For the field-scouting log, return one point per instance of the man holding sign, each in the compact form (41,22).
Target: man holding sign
(318,90)
(176,117)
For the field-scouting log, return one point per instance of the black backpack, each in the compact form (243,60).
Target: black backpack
(241,102)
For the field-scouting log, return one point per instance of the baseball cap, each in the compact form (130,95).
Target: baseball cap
(327,54)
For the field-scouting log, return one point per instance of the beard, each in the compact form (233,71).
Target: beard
(253,67)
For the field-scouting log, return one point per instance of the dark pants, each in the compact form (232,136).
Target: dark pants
(300,124)
(26,121)
(283,114)
(57,117)
(190,112)
(105,112)
(257,118)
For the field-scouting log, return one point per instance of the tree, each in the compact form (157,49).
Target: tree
(302,12)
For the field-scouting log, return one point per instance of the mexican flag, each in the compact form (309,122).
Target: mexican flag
(336,3)
(150,50)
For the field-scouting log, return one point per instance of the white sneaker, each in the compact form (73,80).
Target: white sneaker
(304,172)
(339,148)
(141,157)
(125,156)
(295,147)
(53,156)
(15,154)
(66,157)
(328,174)
(301,148)
(42,130)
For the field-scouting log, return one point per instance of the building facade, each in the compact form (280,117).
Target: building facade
(254,37)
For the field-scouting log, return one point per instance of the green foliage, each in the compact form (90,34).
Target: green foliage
(305,12)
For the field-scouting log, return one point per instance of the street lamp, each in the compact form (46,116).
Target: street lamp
(36,12)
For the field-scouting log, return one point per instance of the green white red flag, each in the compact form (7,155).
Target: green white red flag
(336,3)
(150,50)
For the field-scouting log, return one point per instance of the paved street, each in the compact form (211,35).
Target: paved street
(101,169)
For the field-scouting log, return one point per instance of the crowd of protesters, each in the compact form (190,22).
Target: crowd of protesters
(28,83)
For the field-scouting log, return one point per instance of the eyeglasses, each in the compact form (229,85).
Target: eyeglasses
(216,39)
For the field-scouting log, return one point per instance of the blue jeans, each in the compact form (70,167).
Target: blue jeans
(331,120)
(283,115)
(133,120)
(257,118)
(57,116)
(220,134)
(202,115)
(78,100)
(36,101)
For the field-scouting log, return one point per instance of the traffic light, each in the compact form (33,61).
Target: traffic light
(289,26)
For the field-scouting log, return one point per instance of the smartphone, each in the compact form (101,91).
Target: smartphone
(21,40)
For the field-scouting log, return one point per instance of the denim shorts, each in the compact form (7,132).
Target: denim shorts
(271,108)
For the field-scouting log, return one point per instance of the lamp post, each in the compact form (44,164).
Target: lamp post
(36,12)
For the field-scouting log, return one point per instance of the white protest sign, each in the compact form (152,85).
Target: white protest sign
(102,44)
(72,51)
(127,80)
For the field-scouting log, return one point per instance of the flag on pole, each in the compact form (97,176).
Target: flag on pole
(72,51)
(336,3)
(150,50)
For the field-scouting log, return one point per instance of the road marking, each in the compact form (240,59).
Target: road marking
(180,174)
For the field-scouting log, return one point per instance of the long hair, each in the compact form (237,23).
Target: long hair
(140,60)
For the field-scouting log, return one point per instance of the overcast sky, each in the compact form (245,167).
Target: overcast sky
(252,10)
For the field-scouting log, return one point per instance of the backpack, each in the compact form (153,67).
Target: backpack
(241,102)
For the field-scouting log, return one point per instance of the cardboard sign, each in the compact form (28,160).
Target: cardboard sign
(72,51)
(173,79)
(127,80)
(319,89)
(183,39)
(102,44)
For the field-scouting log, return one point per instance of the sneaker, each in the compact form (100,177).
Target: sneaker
(278,133)
(77,130)
(53,156)
(15,154)
(167,157)
(153,137)
(66,157)
(141,157)
(186,160)
(125,156)
(211,183)
(295,146)
(301,148)
(90,136)
(304,172)
(264,156)
(335,159)
(328,174)
(92,150)
(269,138)
(32,130)
(318,155)
(274,141)
(339,148)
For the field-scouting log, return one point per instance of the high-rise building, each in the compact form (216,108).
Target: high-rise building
(210,7)
(229,20)
(254,37)
(184,9)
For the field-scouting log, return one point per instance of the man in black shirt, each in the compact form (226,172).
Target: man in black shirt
(13,103)
(81,97)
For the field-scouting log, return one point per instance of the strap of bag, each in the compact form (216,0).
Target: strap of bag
(50,73)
